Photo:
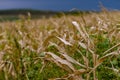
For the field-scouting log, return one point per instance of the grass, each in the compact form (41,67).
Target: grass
(69,47)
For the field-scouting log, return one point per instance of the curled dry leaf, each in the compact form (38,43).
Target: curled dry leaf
(82,45)
(61,61)
(85,47)
(70,59)
(64,41)
(80,71)
(79,29)
(109,54)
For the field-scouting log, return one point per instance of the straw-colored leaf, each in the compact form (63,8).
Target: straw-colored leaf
(79,29)
(85,47)
(108,55)
(64,41)
(61,61)
(82,45)
(102,59)
(70,59)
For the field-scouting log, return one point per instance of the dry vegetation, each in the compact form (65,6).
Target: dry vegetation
(84,47)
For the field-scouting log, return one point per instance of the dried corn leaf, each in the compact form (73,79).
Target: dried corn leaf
(64,41)
(70,59)
(108,55)
(61,61)
(102,59)
(79,29)
(86,61)
(85,47)
(112,48)
(80,71)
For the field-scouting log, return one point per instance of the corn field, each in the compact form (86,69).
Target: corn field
(82,47)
